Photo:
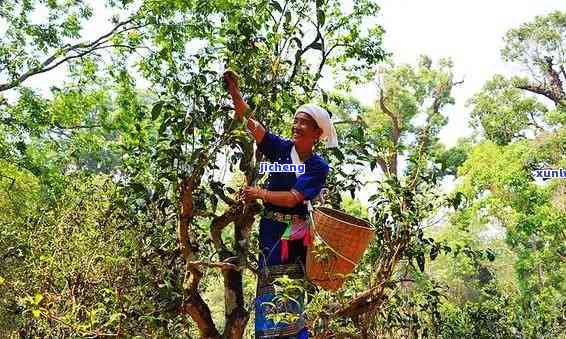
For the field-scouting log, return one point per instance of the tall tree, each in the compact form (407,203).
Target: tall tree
(538,47)
(407,199)
(525,134)
(29,47)
(268,43)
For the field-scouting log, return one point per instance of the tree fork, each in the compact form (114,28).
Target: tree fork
(219,223)
(374,297)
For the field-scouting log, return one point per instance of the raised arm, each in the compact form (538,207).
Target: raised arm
(241,106)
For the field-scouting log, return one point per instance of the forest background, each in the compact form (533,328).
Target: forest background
(118,214)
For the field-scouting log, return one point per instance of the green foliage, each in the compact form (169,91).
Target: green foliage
(90,173)
(532,42)
(504,113)
(499,185)
(71,268)
(95,166)
(451,159)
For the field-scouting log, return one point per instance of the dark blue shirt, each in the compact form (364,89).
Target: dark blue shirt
(277,149)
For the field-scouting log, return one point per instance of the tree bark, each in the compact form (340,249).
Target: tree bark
(374,297)
(193,304)
(394,136)
(552,95)
(236,316)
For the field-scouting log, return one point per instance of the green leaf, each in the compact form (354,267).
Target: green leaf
(372,164)
(276,5)
(156,110)
(457,200)
(37,298)
(337,153)
(36,313)
(434,252)
(324,97)
(298,42)
(434,293)
(115,318)
(321,17)
(421,261)
(137,187)
(287,17)
(317,45)
(490,255)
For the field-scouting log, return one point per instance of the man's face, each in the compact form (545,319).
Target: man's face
(305,130)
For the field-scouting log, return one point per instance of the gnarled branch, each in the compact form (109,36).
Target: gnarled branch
(373,297)
(538,89)
(220,222)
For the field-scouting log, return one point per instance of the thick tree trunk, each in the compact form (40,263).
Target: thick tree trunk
(236,315)
(193,304)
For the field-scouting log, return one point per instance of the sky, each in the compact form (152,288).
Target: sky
(469,32)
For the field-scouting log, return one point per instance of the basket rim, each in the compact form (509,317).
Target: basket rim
(322,208)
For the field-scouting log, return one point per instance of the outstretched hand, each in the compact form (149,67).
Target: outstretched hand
(231,81)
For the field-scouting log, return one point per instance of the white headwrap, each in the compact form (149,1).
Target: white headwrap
(322,118)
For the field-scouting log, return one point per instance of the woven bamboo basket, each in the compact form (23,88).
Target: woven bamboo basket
(339,240)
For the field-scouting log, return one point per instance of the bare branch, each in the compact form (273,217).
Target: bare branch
(374,296)
(300,54)
(220,222)
(353,122)
(282,15)
(334,46)
(423,143)
(220,193)
(185,218)
(457,83)
(77,126)
(394,118)
(534,122)
(383,165)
